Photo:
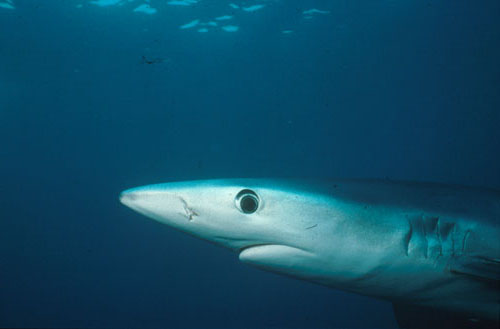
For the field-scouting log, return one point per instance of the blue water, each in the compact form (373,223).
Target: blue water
(95,99)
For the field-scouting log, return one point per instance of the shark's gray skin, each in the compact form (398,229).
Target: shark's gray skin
(428,245)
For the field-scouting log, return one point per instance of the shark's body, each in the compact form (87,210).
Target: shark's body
(429,245)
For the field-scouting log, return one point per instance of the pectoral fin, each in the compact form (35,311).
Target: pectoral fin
(477,267)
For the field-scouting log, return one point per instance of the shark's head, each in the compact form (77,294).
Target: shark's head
(271,224)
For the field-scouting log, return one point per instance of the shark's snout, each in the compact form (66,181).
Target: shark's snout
(132,197)
(127,197)
(137,194)
(168,206)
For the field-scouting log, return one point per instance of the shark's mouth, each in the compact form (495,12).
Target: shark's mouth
(270,250)
(277,257)
(258,245)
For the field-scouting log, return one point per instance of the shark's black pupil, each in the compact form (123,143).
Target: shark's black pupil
(249,204)
(247,201)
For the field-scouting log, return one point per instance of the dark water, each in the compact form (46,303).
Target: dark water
(398,89)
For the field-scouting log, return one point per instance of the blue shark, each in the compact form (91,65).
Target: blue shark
(427,248)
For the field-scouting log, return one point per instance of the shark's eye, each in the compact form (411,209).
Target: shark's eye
(247,201)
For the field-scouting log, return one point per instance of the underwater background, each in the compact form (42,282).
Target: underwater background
(99,96)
